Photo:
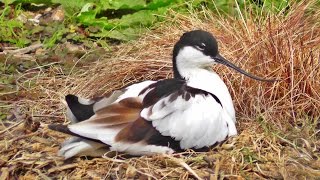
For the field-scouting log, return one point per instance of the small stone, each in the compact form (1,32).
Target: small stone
(58,14)
(40,51)
(35,20)
(22,17)
(227,146)
(48,9)
(74,48)
(131,172)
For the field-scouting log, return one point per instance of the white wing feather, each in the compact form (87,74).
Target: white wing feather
(196,123)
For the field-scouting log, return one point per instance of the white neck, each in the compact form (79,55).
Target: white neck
(190,74)
(190,60)
(209,81)
(193,66)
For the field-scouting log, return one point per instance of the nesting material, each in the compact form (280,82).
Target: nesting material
(277,122)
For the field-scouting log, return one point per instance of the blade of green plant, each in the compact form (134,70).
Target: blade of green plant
(33,1)
(276,6)
(143,17)
(155,4)
(89,19)
(72,7)
(11,29)
(140,18)
(123,4)
(57,34)
(7,2)
(126,34)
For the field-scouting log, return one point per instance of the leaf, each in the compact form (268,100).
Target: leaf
(31,1)
(89,19)
(57,35)
(127,26)
(155,4)
(87,7)
(72,7)
(123,4)
(140,18)
(276,5)
(7,1)
(126,34)
(143,17)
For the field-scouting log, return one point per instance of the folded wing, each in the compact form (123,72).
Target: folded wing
(192,116)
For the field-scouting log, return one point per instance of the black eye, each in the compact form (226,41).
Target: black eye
(201,46)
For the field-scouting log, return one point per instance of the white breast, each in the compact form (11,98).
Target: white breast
(209,81)
(199,121)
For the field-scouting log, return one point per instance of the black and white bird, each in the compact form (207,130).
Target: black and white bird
(193,110)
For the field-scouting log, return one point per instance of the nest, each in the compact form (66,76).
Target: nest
(277,122)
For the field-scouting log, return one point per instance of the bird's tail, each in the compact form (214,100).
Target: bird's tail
(80,109)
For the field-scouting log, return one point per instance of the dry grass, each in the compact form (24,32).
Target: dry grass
(278,123)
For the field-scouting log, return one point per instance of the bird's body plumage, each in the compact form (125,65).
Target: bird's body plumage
(192,110)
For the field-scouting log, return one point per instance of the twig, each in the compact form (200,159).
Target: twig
(4,173)
(61,168)
(183,164)
(8,128)
(146,174)
(24,50)
(25,136)
(9,48)
(216,169)
(112,159)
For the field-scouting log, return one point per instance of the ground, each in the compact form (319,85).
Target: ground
(278,123)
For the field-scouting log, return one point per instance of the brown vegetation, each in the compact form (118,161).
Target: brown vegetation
(278,123)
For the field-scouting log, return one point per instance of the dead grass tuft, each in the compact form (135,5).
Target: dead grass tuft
(278,123)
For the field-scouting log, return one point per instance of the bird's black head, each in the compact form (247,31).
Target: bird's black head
(198,49)
(200,40)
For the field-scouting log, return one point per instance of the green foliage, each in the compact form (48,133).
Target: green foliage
(258,8)
(72,7)
(58,30)
(11,29)
(116,19)
(123,19)
(7,79)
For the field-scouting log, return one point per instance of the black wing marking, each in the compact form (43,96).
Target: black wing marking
(173,87)
(80,111)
